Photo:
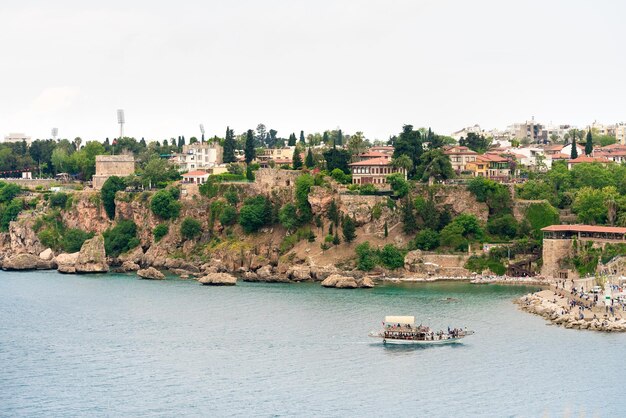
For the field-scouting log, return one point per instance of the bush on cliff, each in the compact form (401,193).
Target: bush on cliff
(73,238)
(9,213)
(288,216)
(391,257)
(479,264)
(190,228)
(160,231)
(164,205)
(304,183)
(366,256)
(228,215)
(8,191)
(58,200)
(504,226)
(110,187)
(349,229)
(425,240)
(255,213)
(495,195)
(121,238)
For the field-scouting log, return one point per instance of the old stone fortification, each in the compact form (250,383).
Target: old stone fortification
(268,178)
(112,165)
(554,251)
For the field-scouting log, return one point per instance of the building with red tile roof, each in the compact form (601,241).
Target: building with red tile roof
(373,171)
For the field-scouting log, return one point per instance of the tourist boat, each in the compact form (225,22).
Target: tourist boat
(402,330)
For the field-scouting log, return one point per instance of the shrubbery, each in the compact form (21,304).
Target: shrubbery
(389,257)
(58,200)
(73,239)
(190,228)
(121,238)
(426,240)
(160,231)
(228,215)
(255,213)
(110,187)
(164,204)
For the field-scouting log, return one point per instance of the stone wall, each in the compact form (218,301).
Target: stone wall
(32,183)
(267,179)
(554,251)
(112,165)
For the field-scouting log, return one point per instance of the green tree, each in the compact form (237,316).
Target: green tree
(292,140)
(590,204)
(302,139)
(337,158)
(574,151)
(505,226)
(391,257)
(426,240)
(228,215)
(409,224)
(409,143)
(386,230)
(8,191)
(366,257)
(249,151)
(452,237)
(111,186)
(398,184)
(288,217)
(296,160)
(229,146)
(348,229)
(589,143)
(333,212)
(190,228)
(9,213)
(309,162)
(436,165)
(476,142)
(336,239)
(255,213)
(304,183)
(164,205)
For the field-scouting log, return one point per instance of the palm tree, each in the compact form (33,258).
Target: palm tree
(403,161)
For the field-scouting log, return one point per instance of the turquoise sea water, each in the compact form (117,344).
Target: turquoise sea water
(113,345)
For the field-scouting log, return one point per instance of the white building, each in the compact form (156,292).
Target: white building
(620,133)
(17,137)
(199,156)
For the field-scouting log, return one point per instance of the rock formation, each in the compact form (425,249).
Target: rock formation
(151,274)
(26,261)
(218,279)
(66,262)
(92,256)
(346,282)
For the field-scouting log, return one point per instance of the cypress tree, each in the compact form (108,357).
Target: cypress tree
(249,151)
(325,138)
(292,140)
(574,153)
(349,229)
(386,230)
(309,162)
(589,143)
(302,140)
(296,161)
(330,229)
(336,240)
(143,142)
(229,146)
(339,137)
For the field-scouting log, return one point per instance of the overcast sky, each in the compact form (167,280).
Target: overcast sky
(313,65)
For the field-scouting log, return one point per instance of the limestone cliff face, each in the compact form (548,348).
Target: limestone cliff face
(92,257)
(458,200)
(138,210)
(21,237)
(87,213)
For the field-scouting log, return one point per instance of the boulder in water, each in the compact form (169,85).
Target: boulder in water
(150,274)
(218,279)
(92,256)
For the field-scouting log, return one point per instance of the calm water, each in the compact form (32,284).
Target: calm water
(112,345)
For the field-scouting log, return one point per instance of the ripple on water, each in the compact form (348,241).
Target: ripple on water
(114,345)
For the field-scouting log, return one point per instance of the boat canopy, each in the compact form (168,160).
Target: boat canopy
(402,320)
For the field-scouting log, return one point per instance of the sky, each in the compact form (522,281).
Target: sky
(294,65)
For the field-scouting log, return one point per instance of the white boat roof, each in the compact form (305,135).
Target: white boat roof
(403,320)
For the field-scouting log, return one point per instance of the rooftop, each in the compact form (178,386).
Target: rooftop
(372,161)
(196,173)
(587,159)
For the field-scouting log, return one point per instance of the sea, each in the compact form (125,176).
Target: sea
(115,345)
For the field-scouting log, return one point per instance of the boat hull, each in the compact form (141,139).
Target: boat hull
(393,341)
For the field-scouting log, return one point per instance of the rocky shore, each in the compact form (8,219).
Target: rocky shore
(556,308)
